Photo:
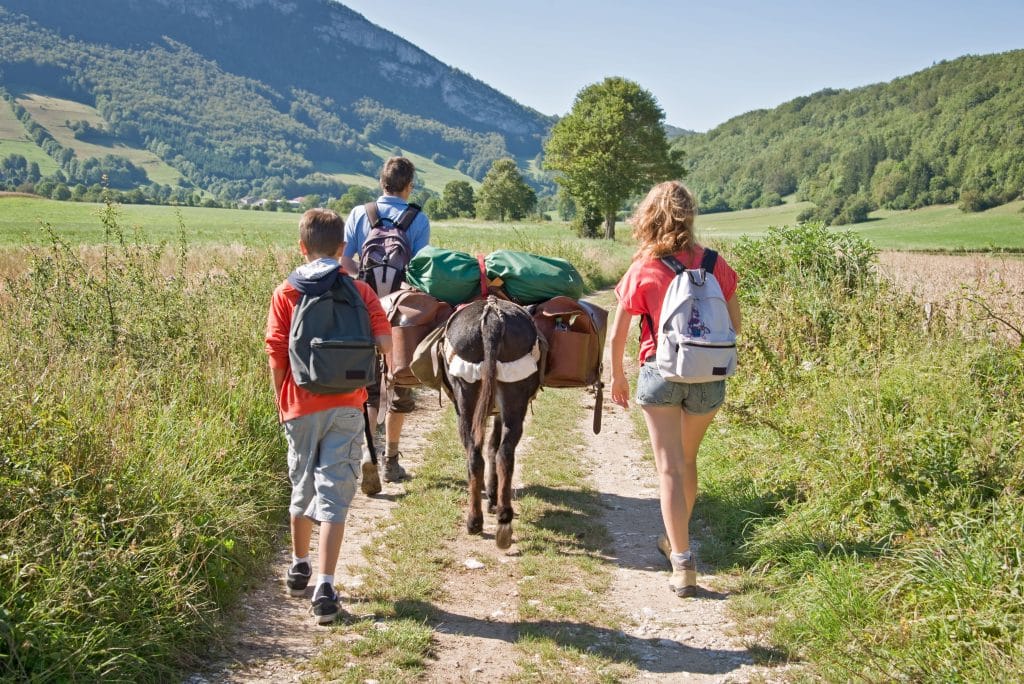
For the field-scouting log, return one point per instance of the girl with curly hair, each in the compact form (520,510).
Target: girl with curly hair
(677,414)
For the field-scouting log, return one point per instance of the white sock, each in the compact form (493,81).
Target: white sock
(296,560)
(678,558)
(321,579)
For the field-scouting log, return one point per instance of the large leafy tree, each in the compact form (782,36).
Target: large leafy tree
(611,146)
(504,193)
(458,199)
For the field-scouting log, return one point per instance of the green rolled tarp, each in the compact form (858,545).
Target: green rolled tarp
(529,278)
(454,277)
(451,276)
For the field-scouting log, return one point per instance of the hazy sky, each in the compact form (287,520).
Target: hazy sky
(704,62)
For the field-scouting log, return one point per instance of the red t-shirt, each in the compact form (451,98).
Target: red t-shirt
(645,283)
(296,401)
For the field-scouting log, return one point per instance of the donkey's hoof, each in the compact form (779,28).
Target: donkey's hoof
(475,525)
(503,537)
(492,509)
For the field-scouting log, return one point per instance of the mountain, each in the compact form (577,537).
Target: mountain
(673,132)
(236,93)
(950,133)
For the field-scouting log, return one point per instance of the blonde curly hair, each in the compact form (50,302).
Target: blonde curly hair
(663,221)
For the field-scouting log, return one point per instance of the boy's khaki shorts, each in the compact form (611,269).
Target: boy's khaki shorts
(323,462)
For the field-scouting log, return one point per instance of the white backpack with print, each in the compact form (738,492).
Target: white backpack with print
(696,342)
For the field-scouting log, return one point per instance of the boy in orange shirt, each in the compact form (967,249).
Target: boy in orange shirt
(325,432)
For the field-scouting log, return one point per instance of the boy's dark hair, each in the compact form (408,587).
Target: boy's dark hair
(396,175)
(322,232)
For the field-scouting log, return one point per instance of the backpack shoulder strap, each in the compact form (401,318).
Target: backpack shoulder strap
(673,263)
(408,216)
(709,260)
(372,215)
(345,288)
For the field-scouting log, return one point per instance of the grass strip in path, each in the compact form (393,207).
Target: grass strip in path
(566,633)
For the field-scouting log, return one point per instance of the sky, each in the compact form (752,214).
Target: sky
(704,62)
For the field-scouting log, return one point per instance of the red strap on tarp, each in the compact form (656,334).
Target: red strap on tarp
(483,276)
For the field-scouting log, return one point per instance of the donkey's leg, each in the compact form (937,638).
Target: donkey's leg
(492,475)
(514,401)
(466,396)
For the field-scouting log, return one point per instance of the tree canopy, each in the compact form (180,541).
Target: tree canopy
(611,146)
(458,200)
(504,193)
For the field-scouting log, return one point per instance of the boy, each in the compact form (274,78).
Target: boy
(396,182)
(324,431)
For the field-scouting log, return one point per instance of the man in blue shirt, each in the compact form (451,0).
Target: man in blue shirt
(396,180)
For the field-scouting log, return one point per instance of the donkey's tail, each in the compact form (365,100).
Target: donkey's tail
(492,331)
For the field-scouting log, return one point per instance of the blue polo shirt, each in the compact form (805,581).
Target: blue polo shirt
(390,207)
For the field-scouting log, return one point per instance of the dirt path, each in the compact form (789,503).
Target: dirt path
(677,639)
(475,640)
(275,635)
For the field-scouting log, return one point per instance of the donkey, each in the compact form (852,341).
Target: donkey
(491,355)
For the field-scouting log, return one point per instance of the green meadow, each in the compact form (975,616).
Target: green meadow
(936,228)
(940,228)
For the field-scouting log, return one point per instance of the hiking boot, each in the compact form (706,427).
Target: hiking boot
(684,572)
(393,471)
(325,604)
(370,482)
(297,578)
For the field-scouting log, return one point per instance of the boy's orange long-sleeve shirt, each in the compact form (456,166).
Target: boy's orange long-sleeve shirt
(295,401)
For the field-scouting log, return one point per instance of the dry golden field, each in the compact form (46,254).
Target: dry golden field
(969,285)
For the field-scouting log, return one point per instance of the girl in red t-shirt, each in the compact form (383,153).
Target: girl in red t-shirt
(677,414)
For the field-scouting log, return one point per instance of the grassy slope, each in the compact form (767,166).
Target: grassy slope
(52,112)
(429,173)
(14,140)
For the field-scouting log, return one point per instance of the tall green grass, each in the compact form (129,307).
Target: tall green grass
(139,458)
(869,472)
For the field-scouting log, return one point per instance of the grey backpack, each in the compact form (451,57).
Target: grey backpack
(331,346)
(696,342)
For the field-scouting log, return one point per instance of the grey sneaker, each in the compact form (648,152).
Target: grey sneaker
(297,578)
(370,482)
(393,471)
(325,604)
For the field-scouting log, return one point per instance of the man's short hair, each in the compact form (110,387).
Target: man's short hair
(396,175)
(322,232)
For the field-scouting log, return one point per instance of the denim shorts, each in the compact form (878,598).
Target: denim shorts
(696,398)
(324,449)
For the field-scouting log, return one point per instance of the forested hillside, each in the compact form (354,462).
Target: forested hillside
(951,133)
(236,94)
